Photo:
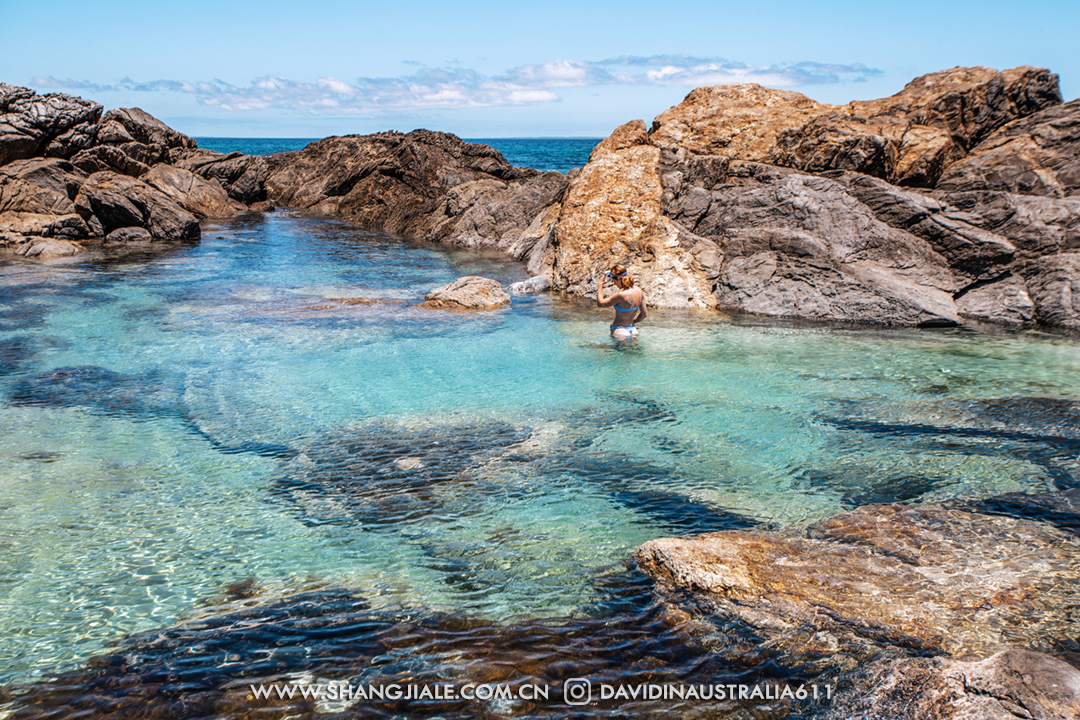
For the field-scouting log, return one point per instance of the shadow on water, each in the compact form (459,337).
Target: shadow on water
(206,667)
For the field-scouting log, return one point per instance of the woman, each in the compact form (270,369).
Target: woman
(628,301)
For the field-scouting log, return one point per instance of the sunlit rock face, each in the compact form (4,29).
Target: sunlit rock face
(71,177)
(767,202)
(933,580)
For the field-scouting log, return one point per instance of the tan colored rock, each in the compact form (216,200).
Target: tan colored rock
(69,226)
(739,122)
(108,201)
(202,198)
(46,186)
(943,581)
(49,247)
(612,214)
(467,293)
(1012,684)
(908,138)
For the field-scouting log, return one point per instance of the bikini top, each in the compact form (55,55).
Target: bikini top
(625,309)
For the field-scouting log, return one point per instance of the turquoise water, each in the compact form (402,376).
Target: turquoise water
(561,154)
(173,425)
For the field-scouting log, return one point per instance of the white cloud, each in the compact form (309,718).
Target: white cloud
(448,88)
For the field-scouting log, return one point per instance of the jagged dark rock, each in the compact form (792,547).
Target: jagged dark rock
(242,176)
(108,201)
(424,184)
(30,122)
(61,169)
(1035,155)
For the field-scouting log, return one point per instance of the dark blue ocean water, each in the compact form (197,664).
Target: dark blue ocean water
(561,154)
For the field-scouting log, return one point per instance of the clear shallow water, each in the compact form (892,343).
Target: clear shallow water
(561,154)
(171,426)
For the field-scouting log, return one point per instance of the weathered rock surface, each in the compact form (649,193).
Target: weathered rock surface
(766,202)
(30,122)
(108,201)
(927,579)
(907,138)
(1012,684)
(424,184)
(1037,155)
(201,198)
(242,176)
(467,293)
(51,146)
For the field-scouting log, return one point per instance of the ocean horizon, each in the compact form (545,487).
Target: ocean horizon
(560,154)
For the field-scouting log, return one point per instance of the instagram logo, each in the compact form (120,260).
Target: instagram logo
(577,691)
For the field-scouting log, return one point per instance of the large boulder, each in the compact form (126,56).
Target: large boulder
(108,201)
(930,580)
(126,125)
(45,186)
(242,176)
(612,213)
(467,293)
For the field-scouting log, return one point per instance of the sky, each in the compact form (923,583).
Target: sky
(233,68)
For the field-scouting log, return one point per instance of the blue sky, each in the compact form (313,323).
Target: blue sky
(487,69)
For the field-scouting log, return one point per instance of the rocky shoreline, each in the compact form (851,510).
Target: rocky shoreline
(956,200)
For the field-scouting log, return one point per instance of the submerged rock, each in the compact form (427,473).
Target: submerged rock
(926,579)
(380,475)
(1060,509)
(98,389)
(1011,684)
(467,293)
(1042,431)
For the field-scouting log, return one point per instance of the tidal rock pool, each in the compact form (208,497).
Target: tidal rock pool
(259,460)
